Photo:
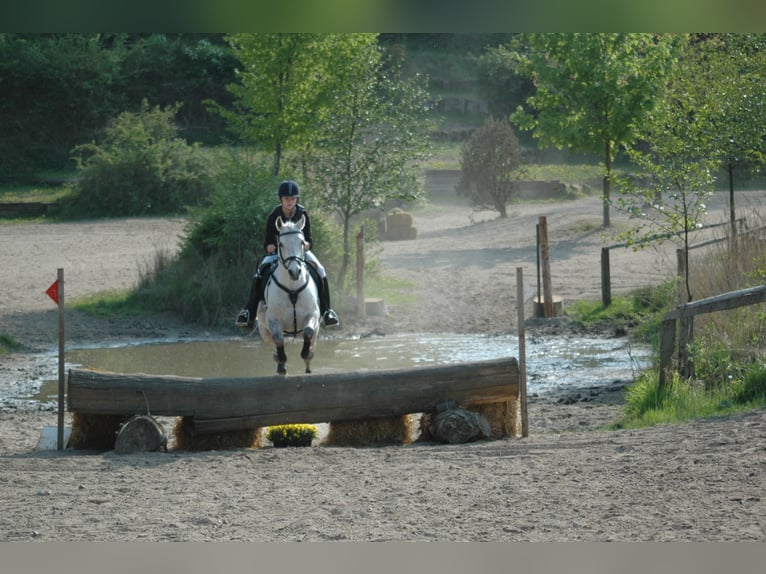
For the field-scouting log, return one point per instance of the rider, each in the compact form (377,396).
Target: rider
(290,210)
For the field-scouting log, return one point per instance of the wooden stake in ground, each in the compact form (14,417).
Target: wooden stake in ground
(546,263)
(56,292)
(522,353)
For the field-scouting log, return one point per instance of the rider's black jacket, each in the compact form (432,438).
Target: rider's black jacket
(271,224)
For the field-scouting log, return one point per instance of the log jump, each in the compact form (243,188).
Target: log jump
(219,405)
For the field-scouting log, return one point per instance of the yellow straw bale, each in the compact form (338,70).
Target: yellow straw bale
(371,432)
(95,432)
(231,440)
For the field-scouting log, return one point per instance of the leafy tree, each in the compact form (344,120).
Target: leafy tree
(678,162)
(189,69)
(491,166)
(592,89)
(280,99)
(140,167)
(56,92)
(728,72)
(372,138)
(504,89)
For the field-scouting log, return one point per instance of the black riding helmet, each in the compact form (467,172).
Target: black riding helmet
(289,188)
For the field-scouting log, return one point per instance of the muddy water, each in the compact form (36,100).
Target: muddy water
(553,364)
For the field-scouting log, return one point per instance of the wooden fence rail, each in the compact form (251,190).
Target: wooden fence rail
(606,278)
(685,314)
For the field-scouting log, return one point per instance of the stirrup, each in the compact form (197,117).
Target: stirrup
(330,319)
(243,319)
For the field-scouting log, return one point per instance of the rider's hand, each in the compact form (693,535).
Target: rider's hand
(271,248)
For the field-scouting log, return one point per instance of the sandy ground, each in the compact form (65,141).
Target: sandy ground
(567,481)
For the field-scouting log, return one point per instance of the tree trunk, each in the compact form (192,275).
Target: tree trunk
(224,404)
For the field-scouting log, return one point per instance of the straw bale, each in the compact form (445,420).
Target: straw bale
(95,432)
(502,416)
(232,440)
(371,432)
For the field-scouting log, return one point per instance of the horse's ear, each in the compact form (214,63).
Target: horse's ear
(279,223)
(301,222)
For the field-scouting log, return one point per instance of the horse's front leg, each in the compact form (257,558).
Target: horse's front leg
(307,352)
(279,340)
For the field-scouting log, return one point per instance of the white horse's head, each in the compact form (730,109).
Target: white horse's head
(290,245)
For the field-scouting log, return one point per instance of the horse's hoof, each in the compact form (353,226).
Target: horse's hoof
(308,371)
(281,370)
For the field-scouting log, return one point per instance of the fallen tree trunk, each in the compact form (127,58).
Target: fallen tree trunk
(228,404)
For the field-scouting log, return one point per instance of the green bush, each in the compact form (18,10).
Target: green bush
(140,168)
(209,280)
(753,387)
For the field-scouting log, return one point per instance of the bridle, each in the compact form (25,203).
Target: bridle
(293,294)
(299,258)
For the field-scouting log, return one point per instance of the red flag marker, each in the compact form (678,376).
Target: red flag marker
(53,292)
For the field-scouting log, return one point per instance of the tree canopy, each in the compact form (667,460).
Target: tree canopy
(490,163)
(591,89)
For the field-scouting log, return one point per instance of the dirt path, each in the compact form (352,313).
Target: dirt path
(701,481)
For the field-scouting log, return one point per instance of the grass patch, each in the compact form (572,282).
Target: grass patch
(392,291)
(682,400)
(8,344)
(109,303)
(638,312)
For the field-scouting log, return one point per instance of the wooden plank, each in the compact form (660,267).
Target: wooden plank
(667,347)
(249,402)
(730,300)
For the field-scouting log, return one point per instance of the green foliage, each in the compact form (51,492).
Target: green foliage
(281,100)
(140,168)
(592,89)
(107,304)
(374,140)
(60,89)
(491,167)
(8,343)
(648,403)
(640,311)
(753,387)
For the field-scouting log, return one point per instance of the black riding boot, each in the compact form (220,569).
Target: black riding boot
(246,317)
(329,317)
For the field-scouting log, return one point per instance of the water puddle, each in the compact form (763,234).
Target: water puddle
(554,364)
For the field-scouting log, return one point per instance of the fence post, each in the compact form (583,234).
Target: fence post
(545,256)
(606,278)
(667,347)
(361,311)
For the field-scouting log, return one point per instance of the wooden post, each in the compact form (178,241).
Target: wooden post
(606,279)
(522,353)
(62,384)
(667,347)
(544,255)
(361,311)
(686,321)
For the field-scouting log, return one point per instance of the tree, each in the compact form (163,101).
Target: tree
(140,167)
(491,166)
(728,73)
(372,139)
(56,92)
(592,89)
(679,164)
(280,99)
